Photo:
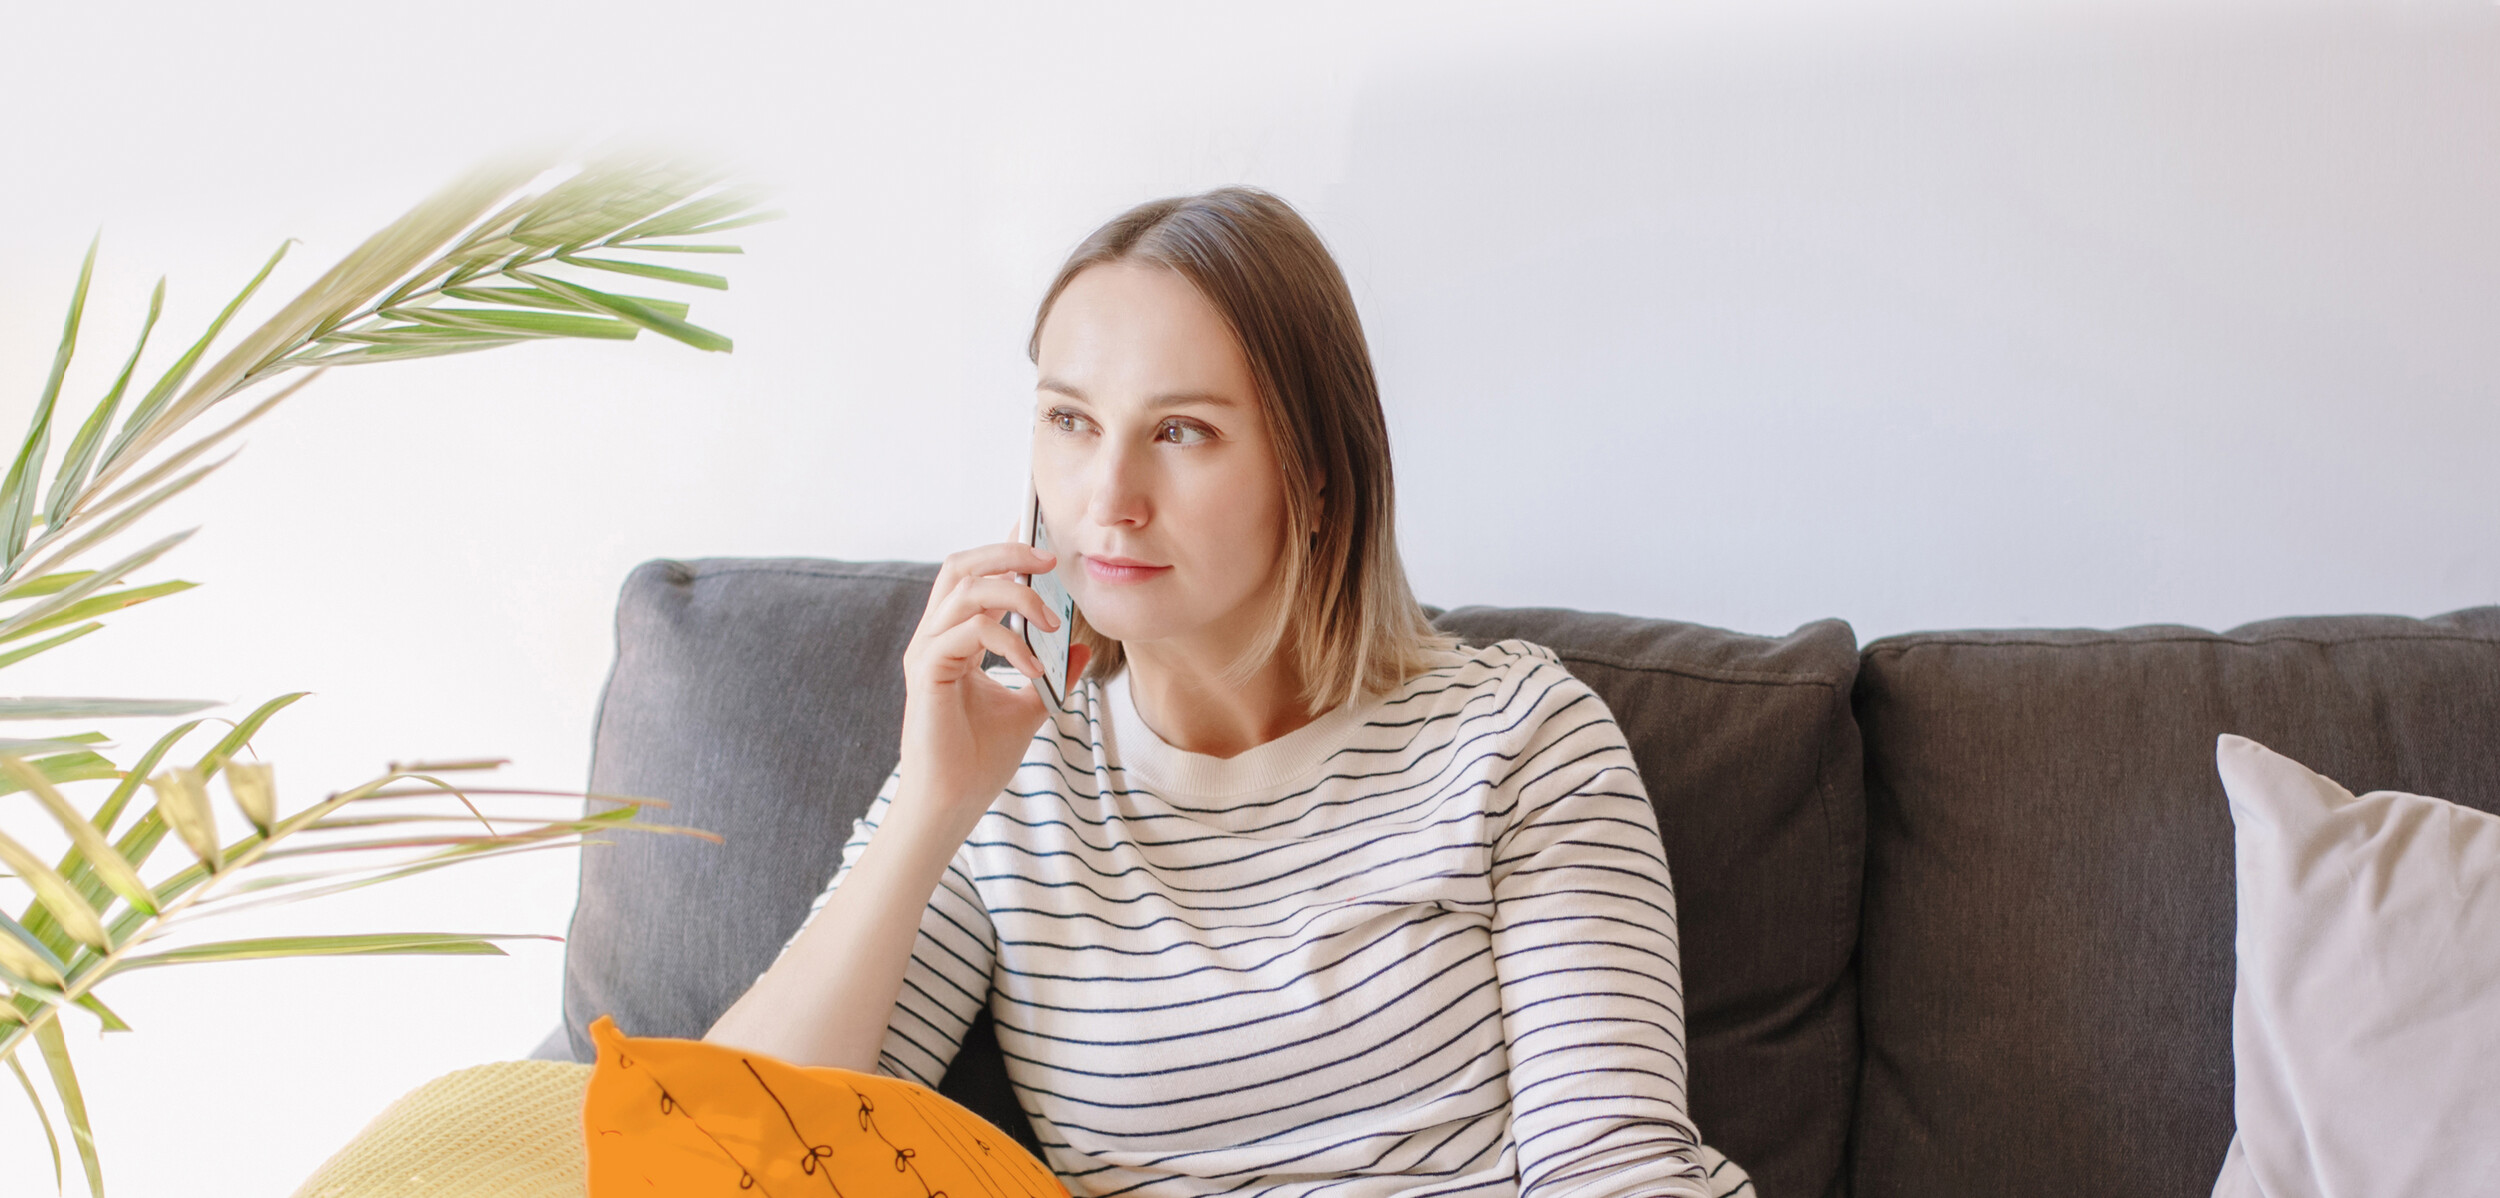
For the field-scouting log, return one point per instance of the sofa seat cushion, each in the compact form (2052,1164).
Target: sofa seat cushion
(2046,965)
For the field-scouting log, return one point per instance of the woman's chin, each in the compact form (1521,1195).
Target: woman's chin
(1124,632)
(1118,621)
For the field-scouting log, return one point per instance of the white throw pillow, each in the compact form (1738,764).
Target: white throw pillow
(2366,1030)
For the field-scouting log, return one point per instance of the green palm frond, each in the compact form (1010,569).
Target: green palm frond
(495,259)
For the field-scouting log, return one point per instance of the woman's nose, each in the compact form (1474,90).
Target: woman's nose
(1119,489)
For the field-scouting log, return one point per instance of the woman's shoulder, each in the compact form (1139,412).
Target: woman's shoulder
(1510,673)
(1508,658)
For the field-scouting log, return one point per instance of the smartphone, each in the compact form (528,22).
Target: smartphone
(1051,646)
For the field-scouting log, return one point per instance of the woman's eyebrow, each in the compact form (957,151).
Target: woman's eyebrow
(1176,399)
(1185,399)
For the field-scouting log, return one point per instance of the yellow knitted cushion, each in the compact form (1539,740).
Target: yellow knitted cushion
(512,1129)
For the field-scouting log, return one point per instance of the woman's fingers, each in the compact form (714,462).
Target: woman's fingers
(989,598)
(1005,557)
(957,650)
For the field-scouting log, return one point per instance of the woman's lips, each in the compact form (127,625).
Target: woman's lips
(1119,569)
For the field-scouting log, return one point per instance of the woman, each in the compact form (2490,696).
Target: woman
(1294,895)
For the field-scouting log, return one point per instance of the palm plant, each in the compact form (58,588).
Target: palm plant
(500,257)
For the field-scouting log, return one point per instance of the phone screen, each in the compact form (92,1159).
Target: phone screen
(1050,646)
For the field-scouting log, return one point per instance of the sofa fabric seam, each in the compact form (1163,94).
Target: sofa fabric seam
(598,723)
(1844,936)
(864,576)
(1697,673)
(2214,638)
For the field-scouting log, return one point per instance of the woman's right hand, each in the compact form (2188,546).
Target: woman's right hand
(827,1000)
(963,732)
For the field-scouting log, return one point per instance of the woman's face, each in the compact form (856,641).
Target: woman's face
(1157,478)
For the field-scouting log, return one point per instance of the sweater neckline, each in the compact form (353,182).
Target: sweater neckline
(1180,773)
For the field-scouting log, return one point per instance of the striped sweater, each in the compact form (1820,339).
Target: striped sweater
(1423,945)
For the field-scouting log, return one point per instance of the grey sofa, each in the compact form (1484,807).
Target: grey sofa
(1956,907)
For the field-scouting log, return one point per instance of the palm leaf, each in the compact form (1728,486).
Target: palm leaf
(520,297)
(456,765)
(507,322)
(606,198)
(368,271)
(430,348)
(738,222)
(110,812)
(535,297)
(73,1101)
(89,840)
(243,732)
(19,747)
(104,1015)
(20,622)
(25,955)
(36,1101)
(74,863)
(666,274)
(708,213)
(470,841)
(83,766)
(89,709)
(14,656)
(136,846)
(372,944)
(378,332)
(475,243)
(144,416)
(359,878)
(182,801)
(90,438)
(68,908)
(42,584)
(253,786)
(89,508)
(627,309)
(100,526)
(90,606)
(17,493)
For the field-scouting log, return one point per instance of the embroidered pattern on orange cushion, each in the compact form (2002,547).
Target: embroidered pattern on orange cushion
(690,1119)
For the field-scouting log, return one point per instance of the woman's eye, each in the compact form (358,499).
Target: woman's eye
(1064,420)
(1180,432)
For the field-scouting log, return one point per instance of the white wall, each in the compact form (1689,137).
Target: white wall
(1924,315)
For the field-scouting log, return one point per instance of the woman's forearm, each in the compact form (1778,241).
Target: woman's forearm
(827,1001)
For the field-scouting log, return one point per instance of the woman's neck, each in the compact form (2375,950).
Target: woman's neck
(1191,708)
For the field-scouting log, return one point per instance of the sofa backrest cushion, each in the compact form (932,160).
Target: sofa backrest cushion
(2046,961)
(763,698)
(1750,756)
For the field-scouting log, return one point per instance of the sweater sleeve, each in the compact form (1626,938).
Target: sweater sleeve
(1584,945)
(948,980)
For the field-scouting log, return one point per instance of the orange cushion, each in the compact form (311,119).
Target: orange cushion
(692,1120)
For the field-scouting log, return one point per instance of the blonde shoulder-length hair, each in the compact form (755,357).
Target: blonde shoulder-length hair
(1345,613)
